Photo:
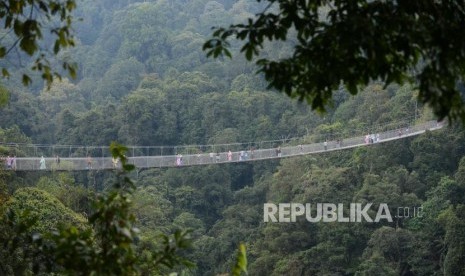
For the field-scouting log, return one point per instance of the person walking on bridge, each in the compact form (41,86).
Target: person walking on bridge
(42,163)
(13,163)
(9,160)
(212,156)
(114,161)
(89,162)
(179,160)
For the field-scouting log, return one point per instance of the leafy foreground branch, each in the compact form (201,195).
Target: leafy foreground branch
(106,245)
(356,42)
(26,24)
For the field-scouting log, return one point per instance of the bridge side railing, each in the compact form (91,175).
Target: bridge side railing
(37,150)
(103,163)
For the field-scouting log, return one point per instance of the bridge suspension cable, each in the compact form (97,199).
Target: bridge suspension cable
(98,158)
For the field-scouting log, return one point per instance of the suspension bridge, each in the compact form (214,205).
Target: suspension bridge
(79,158)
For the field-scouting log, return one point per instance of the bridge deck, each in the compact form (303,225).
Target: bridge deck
(160,161)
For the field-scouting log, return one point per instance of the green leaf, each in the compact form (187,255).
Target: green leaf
(241,261)
(5,73)
(28,45)
(4,96)
(26,80)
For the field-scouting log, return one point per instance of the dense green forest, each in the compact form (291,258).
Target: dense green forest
(143,79)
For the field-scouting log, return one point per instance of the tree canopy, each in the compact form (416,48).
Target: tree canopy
(143,80)
(355,43)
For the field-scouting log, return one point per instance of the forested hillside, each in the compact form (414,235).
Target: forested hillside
(143,79)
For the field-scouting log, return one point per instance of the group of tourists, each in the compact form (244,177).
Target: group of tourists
(336,144)
(215,157)
(372,138)
(10,162)
(243,155)
(43,164)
